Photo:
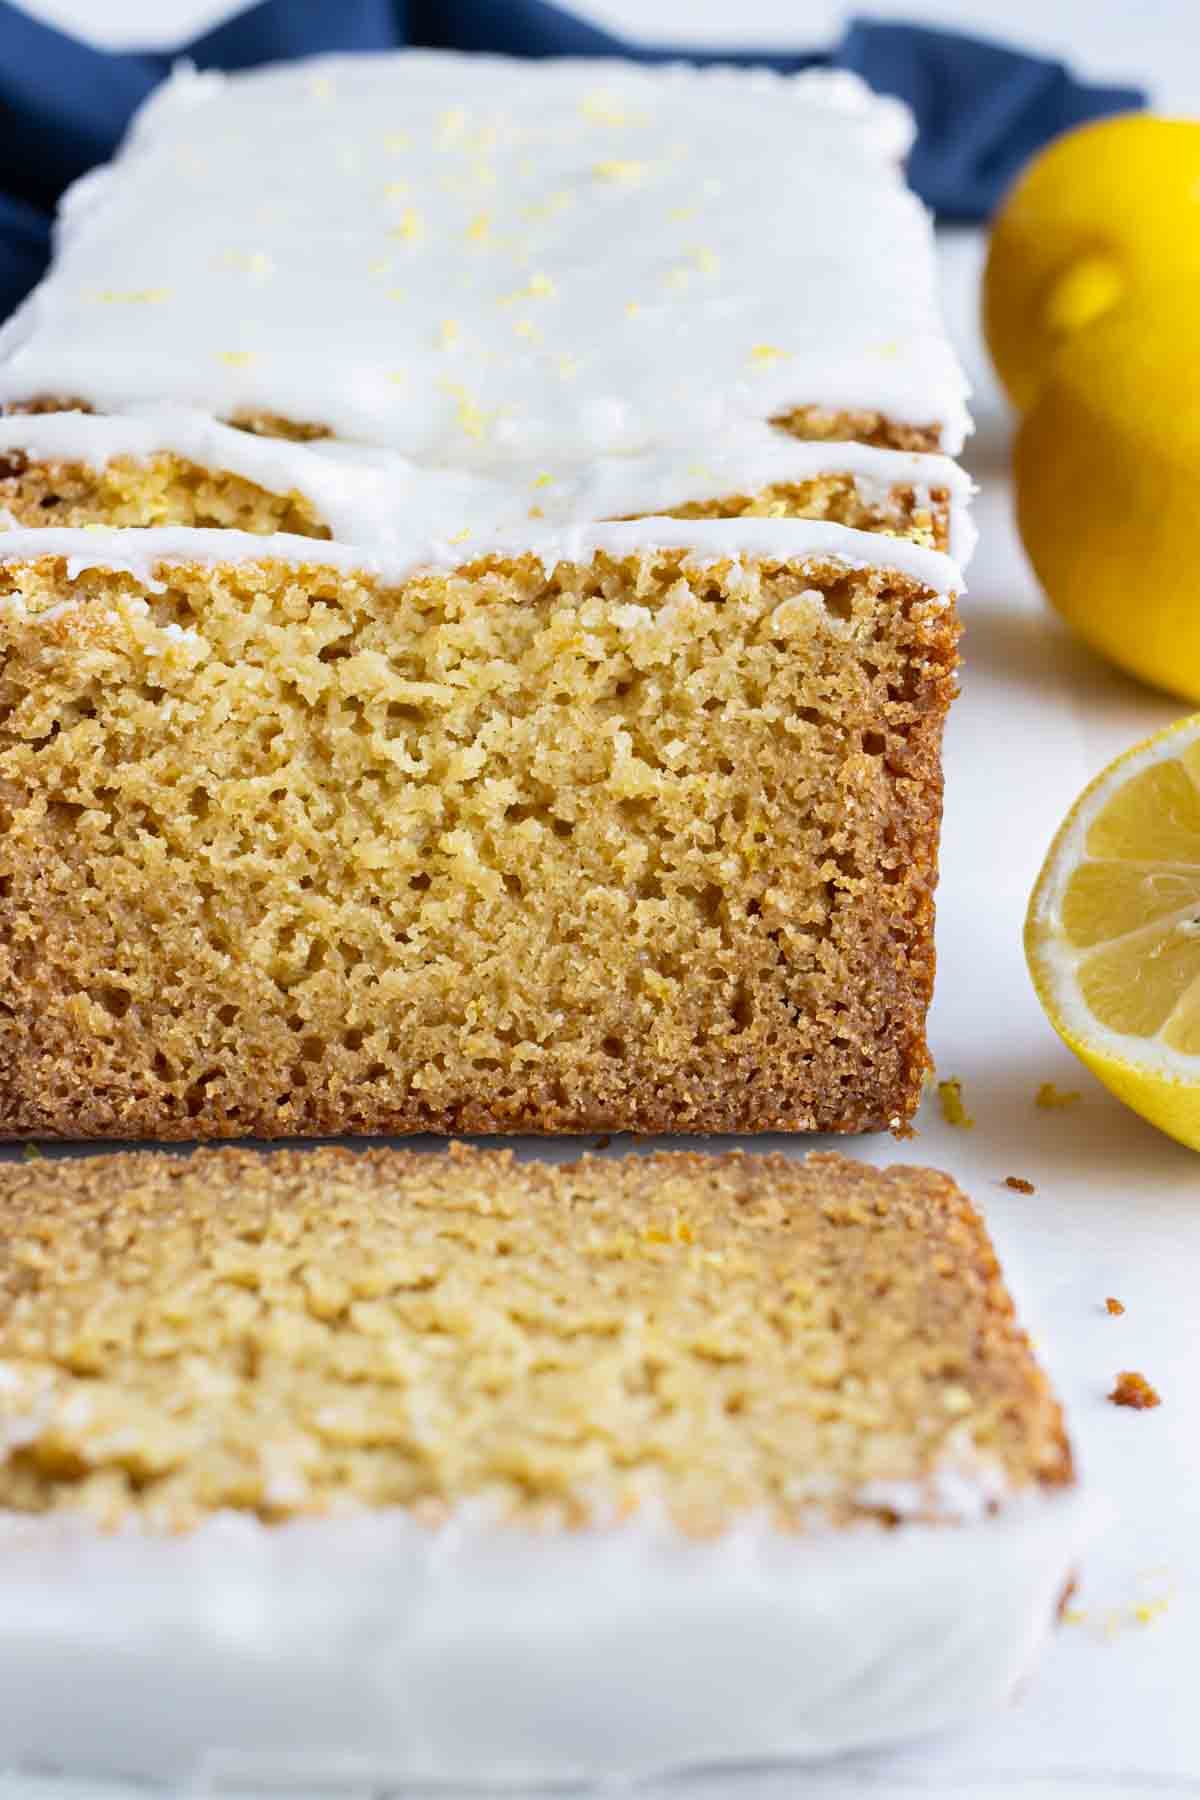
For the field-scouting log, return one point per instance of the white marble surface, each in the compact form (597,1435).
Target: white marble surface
(1111,1713)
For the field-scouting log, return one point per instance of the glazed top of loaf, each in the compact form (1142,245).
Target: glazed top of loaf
(470,258)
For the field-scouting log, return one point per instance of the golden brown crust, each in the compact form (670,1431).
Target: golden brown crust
(263,424)
(862,427)
(1132,1389)
(637,846)
(282,1334)
(45,403)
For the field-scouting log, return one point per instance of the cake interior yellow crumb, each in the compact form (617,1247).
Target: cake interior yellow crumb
(637,843)
(287,1334)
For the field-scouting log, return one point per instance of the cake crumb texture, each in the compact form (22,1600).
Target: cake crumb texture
(158,490)
(640,844)
(1132,1389)
(290,1333)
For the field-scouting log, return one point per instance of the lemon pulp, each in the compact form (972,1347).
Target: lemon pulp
(1113,934)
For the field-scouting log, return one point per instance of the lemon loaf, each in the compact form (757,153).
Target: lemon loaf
(522,710)
(300,1454)
(632,828)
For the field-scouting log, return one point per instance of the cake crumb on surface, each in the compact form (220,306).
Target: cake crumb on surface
(1019,1185)
(1132,1389)
(1051,1098)
(1114,1307)
(950,1096)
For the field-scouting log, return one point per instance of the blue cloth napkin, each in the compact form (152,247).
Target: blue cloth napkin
(981,109)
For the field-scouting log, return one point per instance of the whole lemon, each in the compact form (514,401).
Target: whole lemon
(1106,468)
(1108,215)
(1091,308)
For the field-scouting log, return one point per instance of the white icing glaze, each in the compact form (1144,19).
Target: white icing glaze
(376,496)
(376,1647)
(142,552)
(471,258)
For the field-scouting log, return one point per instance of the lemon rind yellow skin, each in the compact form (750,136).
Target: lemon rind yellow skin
(1091,298)
(1106,468)
(1169,1102)
(1105,217)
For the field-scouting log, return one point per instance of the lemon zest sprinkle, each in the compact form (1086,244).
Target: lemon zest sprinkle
(153,296)
(950,1098)
(1053,1099)
(471,417)
(411,227)
(623,170)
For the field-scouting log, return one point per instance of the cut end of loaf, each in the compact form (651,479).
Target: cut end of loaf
(641,843)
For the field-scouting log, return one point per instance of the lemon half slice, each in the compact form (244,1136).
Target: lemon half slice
(1113,930)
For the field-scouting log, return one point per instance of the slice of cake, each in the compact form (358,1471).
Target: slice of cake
(625,828)
(438,1467)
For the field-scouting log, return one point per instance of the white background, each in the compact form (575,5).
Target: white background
(1114,1710)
